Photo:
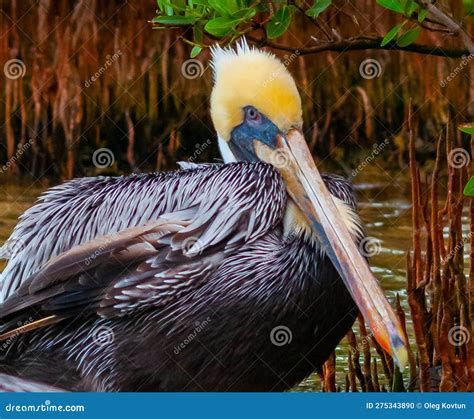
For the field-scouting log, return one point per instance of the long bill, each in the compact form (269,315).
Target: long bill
(307,189)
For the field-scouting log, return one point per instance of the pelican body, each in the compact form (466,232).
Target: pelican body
(200,325)
(235,277)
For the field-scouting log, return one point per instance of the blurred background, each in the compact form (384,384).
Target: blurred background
(94,87)
(95,74)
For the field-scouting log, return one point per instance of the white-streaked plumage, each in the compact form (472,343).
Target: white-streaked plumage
(146,256)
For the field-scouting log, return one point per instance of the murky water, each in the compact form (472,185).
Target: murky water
(384,203)
(14,200)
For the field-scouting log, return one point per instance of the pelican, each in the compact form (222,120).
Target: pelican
(241,276)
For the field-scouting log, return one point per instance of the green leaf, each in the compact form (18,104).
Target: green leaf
(467,128)
(195,51)
(244,14)
(318,7)
(412,9)
(469,6)
(409,7)
(422,15)
(397,384)
(198,33)
(220,26)
(175,20)
(393,5)
(224,8)
(165,6)
(179,4)
(392,33)
(409,37)
(469,188)
(279,22)
(220,7)
(233,6)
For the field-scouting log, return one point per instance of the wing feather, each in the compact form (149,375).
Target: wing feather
(151,265)
(84,209)
(12,384)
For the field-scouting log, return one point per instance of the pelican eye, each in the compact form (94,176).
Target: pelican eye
(251,114)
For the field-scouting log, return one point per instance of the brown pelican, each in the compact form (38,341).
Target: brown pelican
(233,277)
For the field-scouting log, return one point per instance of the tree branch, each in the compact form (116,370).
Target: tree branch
(365,43)
(448,22)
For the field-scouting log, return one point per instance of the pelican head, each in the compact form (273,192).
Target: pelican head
(252,91)
(256,110)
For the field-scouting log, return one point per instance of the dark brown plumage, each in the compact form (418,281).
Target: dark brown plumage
(171,282)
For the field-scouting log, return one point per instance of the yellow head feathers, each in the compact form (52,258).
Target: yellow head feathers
(248,76)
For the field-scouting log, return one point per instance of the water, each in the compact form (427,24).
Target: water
(384,207)
(14,200)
